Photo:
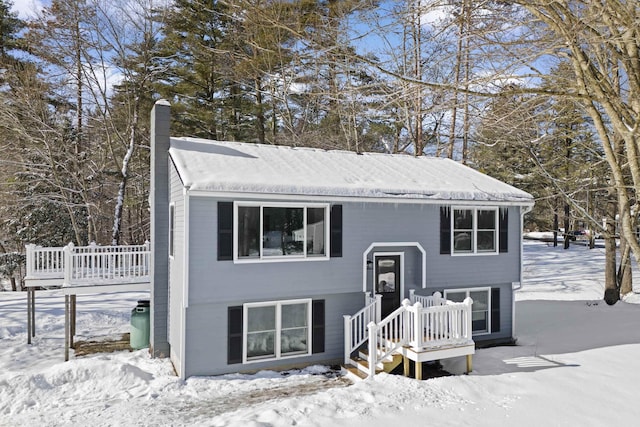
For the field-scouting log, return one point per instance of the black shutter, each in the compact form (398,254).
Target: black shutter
(234,335)
(495,310)
(503,227)
(225,231)
(336,231)
(445,230)
(317,327)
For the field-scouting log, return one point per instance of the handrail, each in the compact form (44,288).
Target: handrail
(387,336)
(427,301)
(355,326)
(89,264)
(444,323)
(44,262)
(439,325)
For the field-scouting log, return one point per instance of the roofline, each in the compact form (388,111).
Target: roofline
(355,199)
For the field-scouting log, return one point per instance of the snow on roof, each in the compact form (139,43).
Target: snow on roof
(218,166)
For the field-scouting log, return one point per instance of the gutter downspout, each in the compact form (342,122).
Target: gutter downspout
(516,286)
(185,286)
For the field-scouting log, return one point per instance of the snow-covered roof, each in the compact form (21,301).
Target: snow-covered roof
(217,166)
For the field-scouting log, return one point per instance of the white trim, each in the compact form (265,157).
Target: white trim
(284,258)
(474,230)
(354,199)
(373,245)
(402,273)
(486,289)
(278,328)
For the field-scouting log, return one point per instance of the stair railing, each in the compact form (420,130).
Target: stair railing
(355,326)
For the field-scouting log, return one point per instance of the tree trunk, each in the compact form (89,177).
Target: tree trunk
(625,277)
(555,225)
(611,293)
(567,235)
(124,176)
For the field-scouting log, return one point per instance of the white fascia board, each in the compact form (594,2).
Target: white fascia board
(355,199)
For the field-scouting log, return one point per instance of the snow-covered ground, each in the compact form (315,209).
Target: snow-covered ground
(576,364)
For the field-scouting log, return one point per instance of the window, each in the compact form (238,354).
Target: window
(279,231)
(474,230)
(172,216)
(480,309)
(275,330)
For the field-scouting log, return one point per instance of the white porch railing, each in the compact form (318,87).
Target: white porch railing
(44,262)
(435,324)
(93,264)
(355,327)
(427,301)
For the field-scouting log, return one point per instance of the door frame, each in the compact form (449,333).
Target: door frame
(365,255)
(373,275)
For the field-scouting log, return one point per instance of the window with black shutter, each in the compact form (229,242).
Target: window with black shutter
(503,226)
(445,230)
(336,231)
(234,334)
(317,321)
(495,310)
(225,231)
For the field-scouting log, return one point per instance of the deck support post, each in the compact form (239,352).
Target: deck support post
(418,370)
(469,363)
(406,366)
(66,328)
(72,323)
(28,315)
(33,312)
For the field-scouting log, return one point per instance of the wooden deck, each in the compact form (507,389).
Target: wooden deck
(76,270)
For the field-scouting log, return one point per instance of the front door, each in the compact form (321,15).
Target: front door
(387,282)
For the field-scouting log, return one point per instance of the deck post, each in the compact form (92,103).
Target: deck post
(406,365)
(467,312)
(373,348)
(28,315)
(412,295)
(347,339)
(418,370)
(68,264)
(66,328)
(72,325)
(469,363)
(378,308)
(30,249)
(33,312)
(419,327)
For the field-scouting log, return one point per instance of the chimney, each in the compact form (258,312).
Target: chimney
(159,204)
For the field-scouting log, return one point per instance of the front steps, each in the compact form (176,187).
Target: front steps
(404,355)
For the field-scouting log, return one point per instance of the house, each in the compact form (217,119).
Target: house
(259,252)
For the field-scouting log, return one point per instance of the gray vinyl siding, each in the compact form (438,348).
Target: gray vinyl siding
(207,336)
(176,268)
(216,285)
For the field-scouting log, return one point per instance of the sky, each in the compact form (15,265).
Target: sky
(575,364)
(26,8)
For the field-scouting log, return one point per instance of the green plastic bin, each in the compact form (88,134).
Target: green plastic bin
(140,325)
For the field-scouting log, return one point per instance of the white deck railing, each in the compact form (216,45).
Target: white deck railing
(87,265)
(427,301)
(45,263)
(355,327)
(439,323)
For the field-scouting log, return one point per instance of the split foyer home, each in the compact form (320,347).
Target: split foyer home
(268,257)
